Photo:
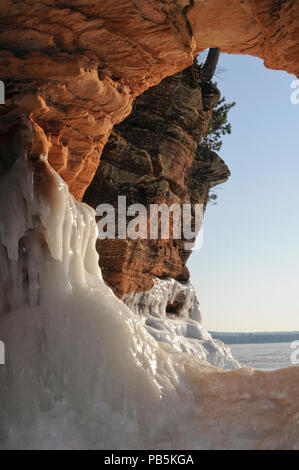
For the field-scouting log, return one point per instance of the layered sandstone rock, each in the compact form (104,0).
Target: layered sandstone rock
(154,157)
(75,66)
(74,69)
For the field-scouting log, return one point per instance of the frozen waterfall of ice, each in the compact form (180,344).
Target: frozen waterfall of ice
(83,372)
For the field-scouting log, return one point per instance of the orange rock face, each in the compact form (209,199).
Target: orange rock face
(264,28)
(155,157)
(75,66)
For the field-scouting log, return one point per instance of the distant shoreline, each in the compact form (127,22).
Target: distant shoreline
(256,337)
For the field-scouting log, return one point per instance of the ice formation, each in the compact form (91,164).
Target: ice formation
(184,332)
(165,292)
(82,370)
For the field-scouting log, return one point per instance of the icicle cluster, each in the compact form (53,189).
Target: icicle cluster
(82,370)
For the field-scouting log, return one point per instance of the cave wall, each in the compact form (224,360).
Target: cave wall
(76,66)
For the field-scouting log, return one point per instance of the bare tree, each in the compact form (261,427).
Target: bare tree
(210,64)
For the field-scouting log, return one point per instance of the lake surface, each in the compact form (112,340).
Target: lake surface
(264,355)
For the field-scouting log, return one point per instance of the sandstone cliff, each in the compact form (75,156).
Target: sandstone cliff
(154,157)
(82,370)
(76,66)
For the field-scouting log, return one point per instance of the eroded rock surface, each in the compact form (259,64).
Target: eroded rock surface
(154,157)
(76,66)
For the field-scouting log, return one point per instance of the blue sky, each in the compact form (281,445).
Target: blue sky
(246,274)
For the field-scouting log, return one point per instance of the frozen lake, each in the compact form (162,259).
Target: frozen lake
(264,355)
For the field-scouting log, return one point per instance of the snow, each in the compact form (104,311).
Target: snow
(82,370)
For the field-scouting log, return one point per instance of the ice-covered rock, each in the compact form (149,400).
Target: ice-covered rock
(81,369)
(165,296)
(172,316)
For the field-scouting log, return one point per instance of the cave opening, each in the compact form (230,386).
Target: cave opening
(246,272)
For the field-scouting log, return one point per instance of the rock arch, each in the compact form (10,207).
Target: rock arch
(76,66)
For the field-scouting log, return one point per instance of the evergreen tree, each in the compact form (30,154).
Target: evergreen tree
(218,126)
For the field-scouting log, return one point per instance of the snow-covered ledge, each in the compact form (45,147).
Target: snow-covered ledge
(171,314)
